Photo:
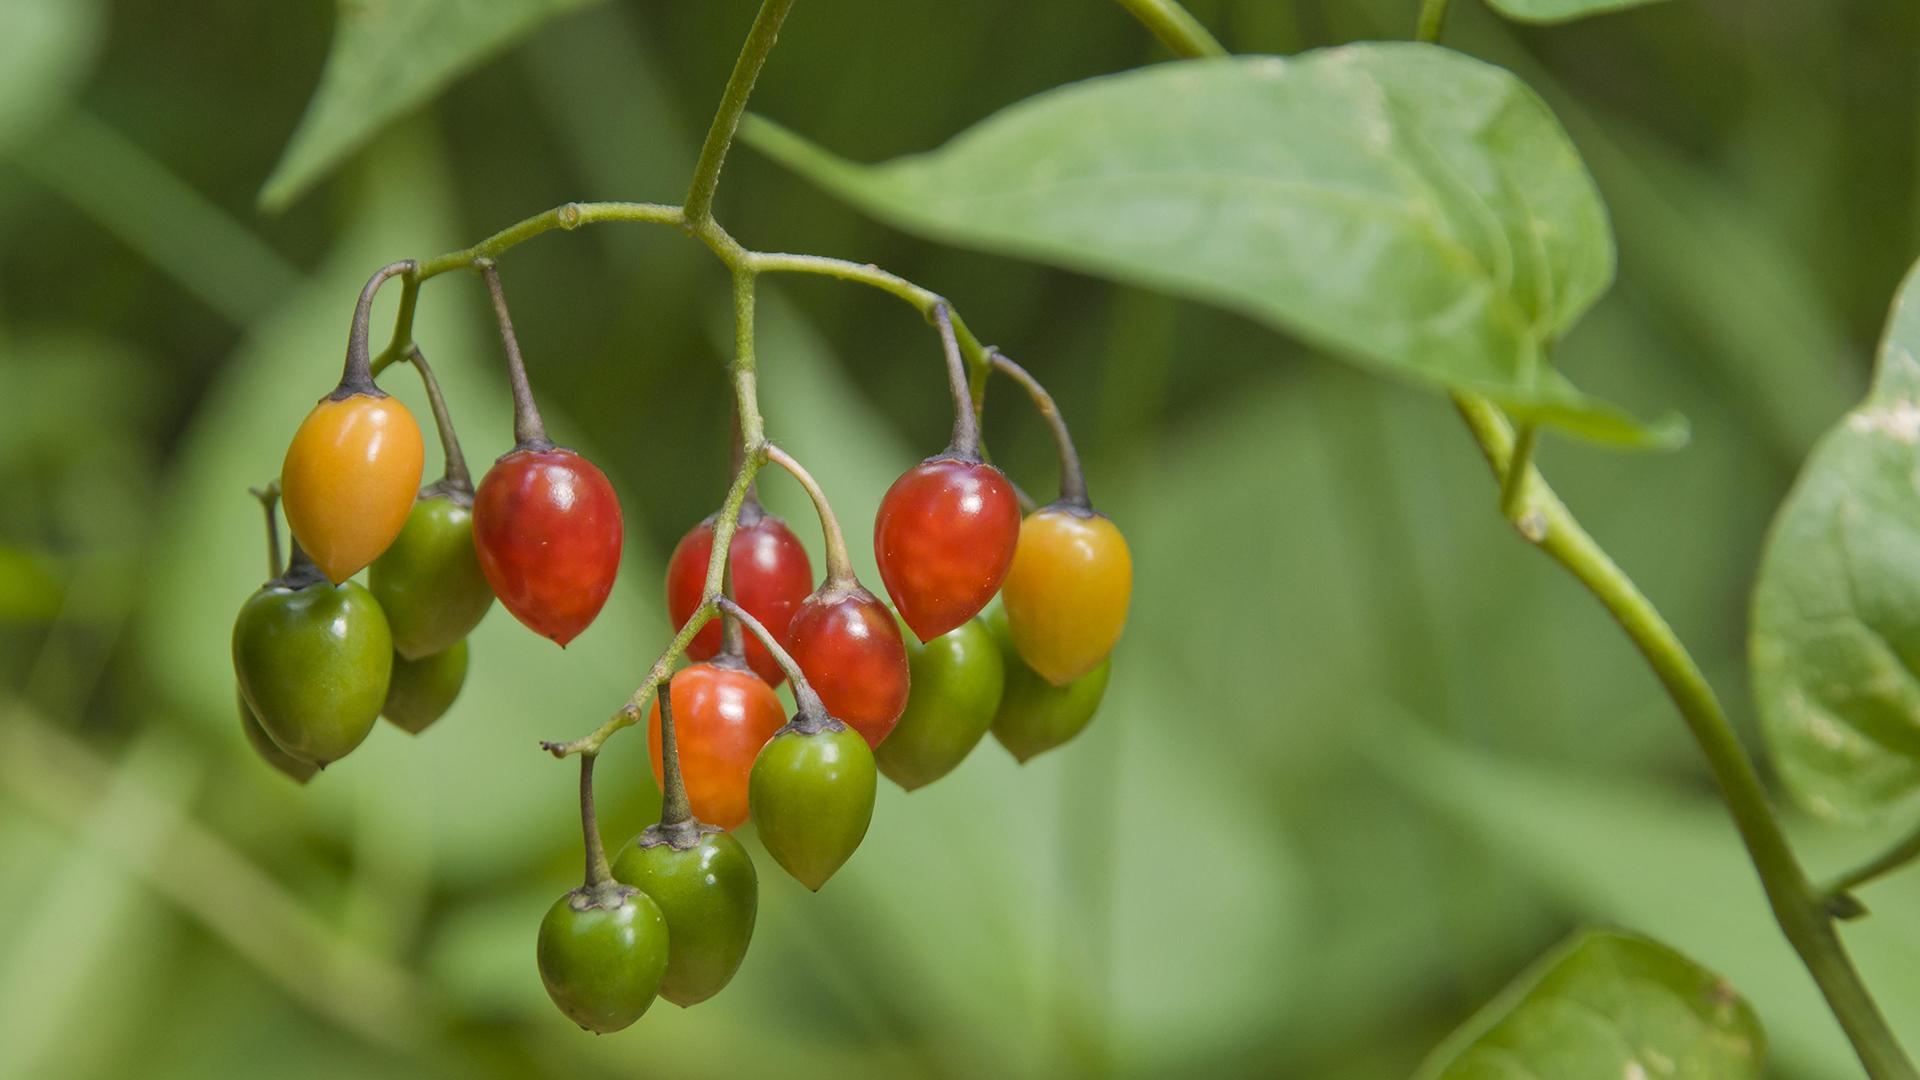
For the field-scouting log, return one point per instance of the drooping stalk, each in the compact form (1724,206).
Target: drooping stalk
(675,809)
(357,377)
(1073,480)
(839,564)
(599,873)
(966,423)
(807,702)
(529,433)
(457,478)
(269,497)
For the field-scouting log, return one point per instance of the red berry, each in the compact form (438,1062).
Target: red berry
(771,577)
(944,538)
(546,525)
(847,643)
(722,716)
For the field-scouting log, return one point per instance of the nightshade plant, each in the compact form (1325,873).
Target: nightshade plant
(1398,205)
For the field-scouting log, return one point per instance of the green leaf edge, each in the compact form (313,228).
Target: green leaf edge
(1559,405)
(1503,1004)
(1593,11)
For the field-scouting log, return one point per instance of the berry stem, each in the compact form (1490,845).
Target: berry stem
(269,497)
(839,564)
(1073,480)
(733,103)
(1894,858)
(529,433)
(599,873)
(457,478)
(1176,28)
(357,378)
(1433,13)
(808,702)
(1513,483)
(301,571)
(402,337)
(674,807)
(966,422)
(733,641)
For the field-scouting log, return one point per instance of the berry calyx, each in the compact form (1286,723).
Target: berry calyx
(1066,596)
(848,645)
(313,660)
(944,538)
(957,681)
(813,790)
(723,715)
(771,577)
(1034,715)
(421,691)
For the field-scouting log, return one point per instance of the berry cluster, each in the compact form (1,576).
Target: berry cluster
(907,690)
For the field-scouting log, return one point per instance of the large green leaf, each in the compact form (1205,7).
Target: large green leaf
(388,58)
(1555,11)
(1401,205)
(1836,611)
(1606,1005)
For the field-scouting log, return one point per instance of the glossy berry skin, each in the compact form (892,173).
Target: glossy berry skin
(813,799)
(602,953)
(1066,596)
(292,767)
(849,647)
(722,716)
(957,681)
(349,479)
(1034,715)
(771,577)
(944,538)
(546,525)
(421,691)
(429,581)
(314,663)
(709,895)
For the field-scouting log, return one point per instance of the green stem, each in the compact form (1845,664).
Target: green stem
(733,102)
(839,565)
(1798,905)
(1894,858)
(806,701)
(269,497)
(1176,28)
(965,441)
(1513,483)
(599,873)
(1432,14)
(529,431)
(457,478)
(675,809)
(1073,480)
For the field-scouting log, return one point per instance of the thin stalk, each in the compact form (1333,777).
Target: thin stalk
(674,807)
(1894,858)
(1073,480)
(733,103)
(402,337)
(807,702)
(357,378)
(1513,483)
(966,421)
(1798,905)
(733,640)
(269,497)
(529,433)
(839,565)
(457,477)
(599,873)
(1176,28)
(1432,14)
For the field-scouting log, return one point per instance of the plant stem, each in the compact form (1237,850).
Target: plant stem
(457,477)
(674,807)
(1894,858)
(1176,28)
(402,337)
(269,497)
(733,102)
(1073,480)
(529,433)
(839,565)
(1798,906)
(357,378)
(804,698)
(1432,14)
(966,422)
(598,872)
(1513,483)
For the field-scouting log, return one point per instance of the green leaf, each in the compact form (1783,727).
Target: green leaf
(1557,11)
(387,59)
(1836,611)
(1400,205)
(1607,1005)
(46,48)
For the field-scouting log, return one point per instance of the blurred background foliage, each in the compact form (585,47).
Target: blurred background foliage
(1363,756)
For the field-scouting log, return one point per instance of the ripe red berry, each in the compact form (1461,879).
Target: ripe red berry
(546,525)
(944,538)
(722,716)
(771,578)
(849,647)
